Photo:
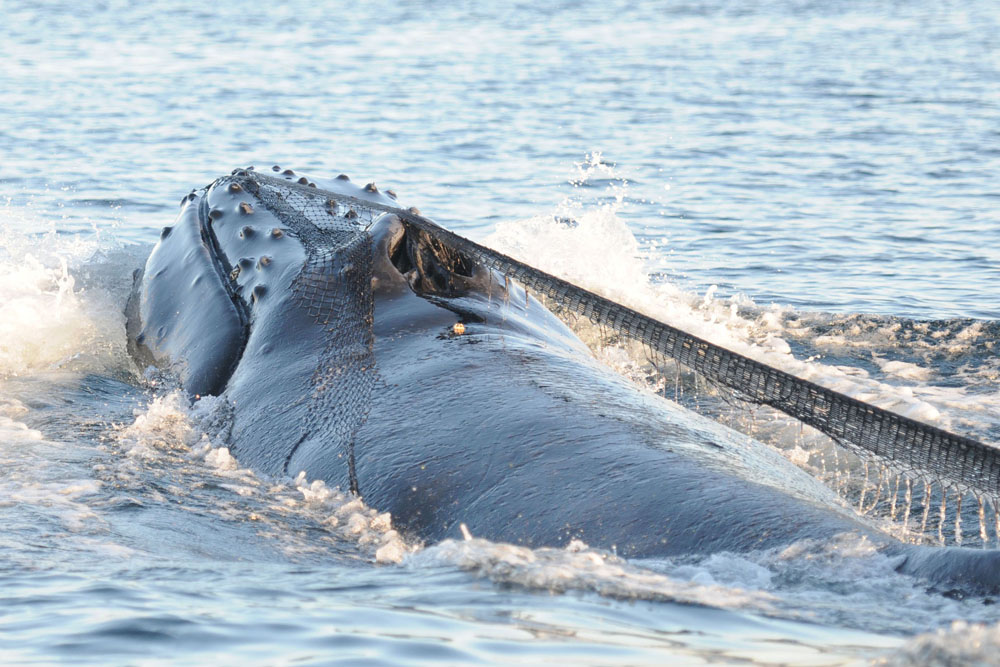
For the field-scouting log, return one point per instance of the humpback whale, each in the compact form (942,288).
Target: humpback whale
(349,342)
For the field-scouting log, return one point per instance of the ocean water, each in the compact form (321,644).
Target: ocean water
(810,183)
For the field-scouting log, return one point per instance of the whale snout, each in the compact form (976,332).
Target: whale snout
(182,315)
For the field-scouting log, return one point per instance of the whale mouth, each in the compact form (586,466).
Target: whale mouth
(223,267)
(183,313)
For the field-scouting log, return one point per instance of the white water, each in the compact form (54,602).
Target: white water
(812,185)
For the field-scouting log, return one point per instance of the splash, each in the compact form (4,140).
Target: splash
(171,435)
(845,581)
(589,244)
(48,320)
(962,643)
(577,567)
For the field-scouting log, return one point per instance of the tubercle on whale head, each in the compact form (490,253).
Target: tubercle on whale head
(225,258)
(228,259)
(428,266)
(340,184)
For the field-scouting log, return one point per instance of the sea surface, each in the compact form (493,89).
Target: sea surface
(812,183)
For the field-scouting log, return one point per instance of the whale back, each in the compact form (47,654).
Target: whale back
(907,446)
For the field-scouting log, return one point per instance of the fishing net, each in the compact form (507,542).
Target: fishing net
(921,452)
(334,287)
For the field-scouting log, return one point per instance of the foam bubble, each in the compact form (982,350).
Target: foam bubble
(961,643)
(49,492)
(578,567)
(47,319)
(354,520)
(904,370)
(169,431)
(12,430)
(163,425)
(220,459)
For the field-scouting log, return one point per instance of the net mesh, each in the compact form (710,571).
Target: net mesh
(905,445)
(334,288)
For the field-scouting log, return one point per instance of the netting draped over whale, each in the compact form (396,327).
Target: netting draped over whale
(334,287)
(338,231)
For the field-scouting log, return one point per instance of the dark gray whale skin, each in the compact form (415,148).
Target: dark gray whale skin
(510,428)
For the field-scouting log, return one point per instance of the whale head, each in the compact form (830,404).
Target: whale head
(250,243)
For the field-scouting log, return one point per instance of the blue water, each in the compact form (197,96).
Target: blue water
(815,178)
